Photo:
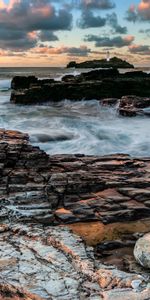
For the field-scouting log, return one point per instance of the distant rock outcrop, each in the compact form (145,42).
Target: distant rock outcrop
(114,62)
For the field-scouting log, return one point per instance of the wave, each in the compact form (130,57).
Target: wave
(5,85)
(4,89)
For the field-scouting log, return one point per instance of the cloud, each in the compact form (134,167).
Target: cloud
(139,12)
(146,31)
(144,10)
(97,4)
(46,36)
(70,51)
(35,15)
(118,41)
(21,17)
(140,49)
(17,40)
(112,20)
(131,14)
(81,51)
(88,20)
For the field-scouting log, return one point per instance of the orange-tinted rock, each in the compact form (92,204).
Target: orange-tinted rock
(10,292)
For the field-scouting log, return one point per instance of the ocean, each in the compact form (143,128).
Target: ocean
(70,127)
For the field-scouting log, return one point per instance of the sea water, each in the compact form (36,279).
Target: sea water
(70,127)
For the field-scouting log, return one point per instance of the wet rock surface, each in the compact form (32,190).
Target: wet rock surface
(96,84)
(62,189)
(38,191)
(131,106)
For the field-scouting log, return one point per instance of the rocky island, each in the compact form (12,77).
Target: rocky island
(113,62)
(69,223)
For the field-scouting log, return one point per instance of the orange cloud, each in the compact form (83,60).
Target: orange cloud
(144,10)
(129,38)
(45,11)
(71,51)
(144,5)
(32,35)
(47,50)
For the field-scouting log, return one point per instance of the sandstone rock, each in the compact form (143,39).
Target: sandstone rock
(126,295)
(8,292)
(110,279)
(142,251)
(35,186)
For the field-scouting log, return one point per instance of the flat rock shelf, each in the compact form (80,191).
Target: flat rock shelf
(48,201)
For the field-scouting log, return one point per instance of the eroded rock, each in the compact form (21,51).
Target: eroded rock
(8,292)
(62,189)
(38,191)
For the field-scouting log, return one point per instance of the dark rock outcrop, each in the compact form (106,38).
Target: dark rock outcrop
(114,62)
(97,84)
(26,82)
(23,82)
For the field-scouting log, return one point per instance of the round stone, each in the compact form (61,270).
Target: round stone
(142,251)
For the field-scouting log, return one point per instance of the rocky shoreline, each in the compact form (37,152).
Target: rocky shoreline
(96,84)
(48,201)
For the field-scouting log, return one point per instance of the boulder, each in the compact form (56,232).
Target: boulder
(130,106)
(142,251)
(128,112)
(68,78)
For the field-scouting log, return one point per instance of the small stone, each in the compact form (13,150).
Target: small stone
(136,284)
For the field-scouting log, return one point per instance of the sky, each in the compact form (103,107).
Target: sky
(54,32)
